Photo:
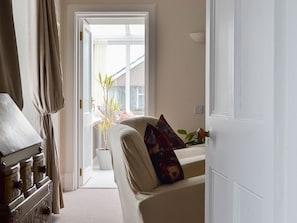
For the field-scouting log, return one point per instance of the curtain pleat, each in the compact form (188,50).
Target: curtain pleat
(10,79)
(52,159)
(48,93)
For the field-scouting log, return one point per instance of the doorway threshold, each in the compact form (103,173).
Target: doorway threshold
(102,179)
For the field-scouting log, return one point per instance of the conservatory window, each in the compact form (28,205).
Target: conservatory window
(119,50)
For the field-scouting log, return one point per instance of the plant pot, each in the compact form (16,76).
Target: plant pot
(104,159)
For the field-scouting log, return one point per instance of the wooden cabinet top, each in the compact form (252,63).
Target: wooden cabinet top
(16,133)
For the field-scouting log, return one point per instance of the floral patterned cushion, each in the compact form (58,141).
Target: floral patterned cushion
(175,141)
(164,160)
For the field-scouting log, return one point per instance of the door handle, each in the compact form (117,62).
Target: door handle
(202,134)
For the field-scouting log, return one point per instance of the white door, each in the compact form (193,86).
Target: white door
(239,111)
(85,129)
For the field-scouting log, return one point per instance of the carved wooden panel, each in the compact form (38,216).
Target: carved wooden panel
(39,169)
(26,174)
(9,183)
(36,208)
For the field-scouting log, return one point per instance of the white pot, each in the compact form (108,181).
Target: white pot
(104,159)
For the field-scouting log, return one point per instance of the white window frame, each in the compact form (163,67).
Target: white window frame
(150,50)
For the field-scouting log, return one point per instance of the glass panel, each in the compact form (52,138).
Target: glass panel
(119,94)
(137,52)
(137,99)
(108,30)
(115,59)
(137,30)
(137,81)
(128,73)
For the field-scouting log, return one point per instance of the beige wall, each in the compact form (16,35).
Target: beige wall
(180,61)
(179,67)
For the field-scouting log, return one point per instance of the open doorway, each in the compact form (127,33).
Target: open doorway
(114,44)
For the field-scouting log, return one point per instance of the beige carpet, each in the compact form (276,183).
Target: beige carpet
(90,206)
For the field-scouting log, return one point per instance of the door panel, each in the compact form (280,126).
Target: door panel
(248,205)
(220,194)
(249,59)
(223,30)
(239,111)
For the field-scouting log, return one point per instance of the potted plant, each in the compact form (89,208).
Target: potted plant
(107,114)
(193,138)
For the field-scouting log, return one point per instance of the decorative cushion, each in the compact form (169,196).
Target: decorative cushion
(175,141)
(164,160)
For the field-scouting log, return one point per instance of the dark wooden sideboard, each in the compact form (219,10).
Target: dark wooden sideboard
(25,190)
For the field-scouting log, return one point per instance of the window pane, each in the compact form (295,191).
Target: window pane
(108,30)
(137,80)
(118,89)
(137,52)
(137,99)
(128,73)
(115,59)
(137,30)
(119,94)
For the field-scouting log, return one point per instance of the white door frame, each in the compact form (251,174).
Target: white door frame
(285,151)
(71,168)
(286,110)
(82,16)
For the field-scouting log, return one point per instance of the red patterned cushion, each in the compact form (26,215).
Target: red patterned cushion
(175,141)
(164,160)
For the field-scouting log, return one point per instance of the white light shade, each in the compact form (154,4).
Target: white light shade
(198,37)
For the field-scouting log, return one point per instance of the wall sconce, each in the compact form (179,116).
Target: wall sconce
(198,37)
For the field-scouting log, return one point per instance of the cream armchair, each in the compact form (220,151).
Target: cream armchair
(192,159)
(143,199)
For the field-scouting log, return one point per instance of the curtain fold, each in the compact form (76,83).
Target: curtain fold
(48,92)
(10,79)
(53,163)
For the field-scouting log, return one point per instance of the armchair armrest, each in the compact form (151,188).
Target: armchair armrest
(193,166)
(182,201)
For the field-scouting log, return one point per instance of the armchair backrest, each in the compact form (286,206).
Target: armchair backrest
(132,164)
(140,122)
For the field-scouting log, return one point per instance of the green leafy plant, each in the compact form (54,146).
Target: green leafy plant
(190,138)
(111,106)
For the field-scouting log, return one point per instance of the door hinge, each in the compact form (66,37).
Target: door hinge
(80,104)
(81,35)
(80,172)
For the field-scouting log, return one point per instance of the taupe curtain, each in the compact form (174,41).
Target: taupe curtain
(10,80)
(48,95)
